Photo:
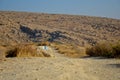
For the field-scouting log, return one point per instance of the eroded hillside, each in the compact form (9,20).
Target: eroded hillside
(20,27)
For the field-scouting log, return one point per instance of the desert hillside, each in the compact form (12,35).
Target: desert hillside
(39,46)
(22,27)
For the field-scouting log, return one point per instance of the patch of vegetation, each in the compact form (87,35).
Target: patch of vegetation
(110,50)
(69,50)
(11,53)
(25,50)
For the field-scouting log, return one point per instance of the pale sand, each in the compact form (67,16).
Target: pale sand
(59,68)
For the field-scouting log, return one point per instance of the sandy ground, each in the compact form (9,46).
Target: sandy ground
(59,68)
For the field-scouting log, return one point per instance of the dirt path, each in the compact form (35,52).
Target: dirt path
(50,51)
(59,68)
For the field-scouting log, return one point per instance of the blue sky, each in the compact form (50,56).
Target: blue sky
(102,8)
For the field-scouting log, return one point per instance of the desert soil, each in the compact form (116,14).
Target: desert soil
(59,68)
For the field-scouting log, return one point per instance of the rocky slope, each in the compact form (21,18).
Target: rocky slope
(20,27)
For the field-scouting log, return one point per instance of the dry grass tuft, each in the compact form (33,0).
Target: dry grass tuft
(70,50)
(2,50)
(110,50)
(27,50)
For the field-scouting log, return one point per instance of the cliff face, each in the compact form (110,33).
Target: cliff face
(20,27)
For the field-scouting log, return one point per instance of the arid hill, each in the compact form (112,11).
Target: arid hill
(26,37)
(21,27)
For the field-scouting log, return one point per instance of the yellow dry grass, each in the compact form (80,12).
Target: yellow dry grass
(30,50)
(25,50)
(70,50)
(105,49)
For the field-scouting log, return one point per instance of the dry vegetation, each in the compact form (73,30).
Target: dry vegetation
(105,49)
(74,32)
(24,50)
(30,50)
(70,50)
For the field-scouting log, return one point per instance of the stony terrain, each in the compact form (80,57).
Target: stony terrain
(20,27)
(59,68)
(77,31)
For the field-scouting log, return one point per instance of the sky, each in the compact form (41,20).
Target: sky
(100,8)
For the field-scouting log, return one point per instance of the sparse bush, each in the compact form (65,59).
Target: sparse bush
(116,50)
(28,50)
(11,52)
(70,50)
(110,50)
